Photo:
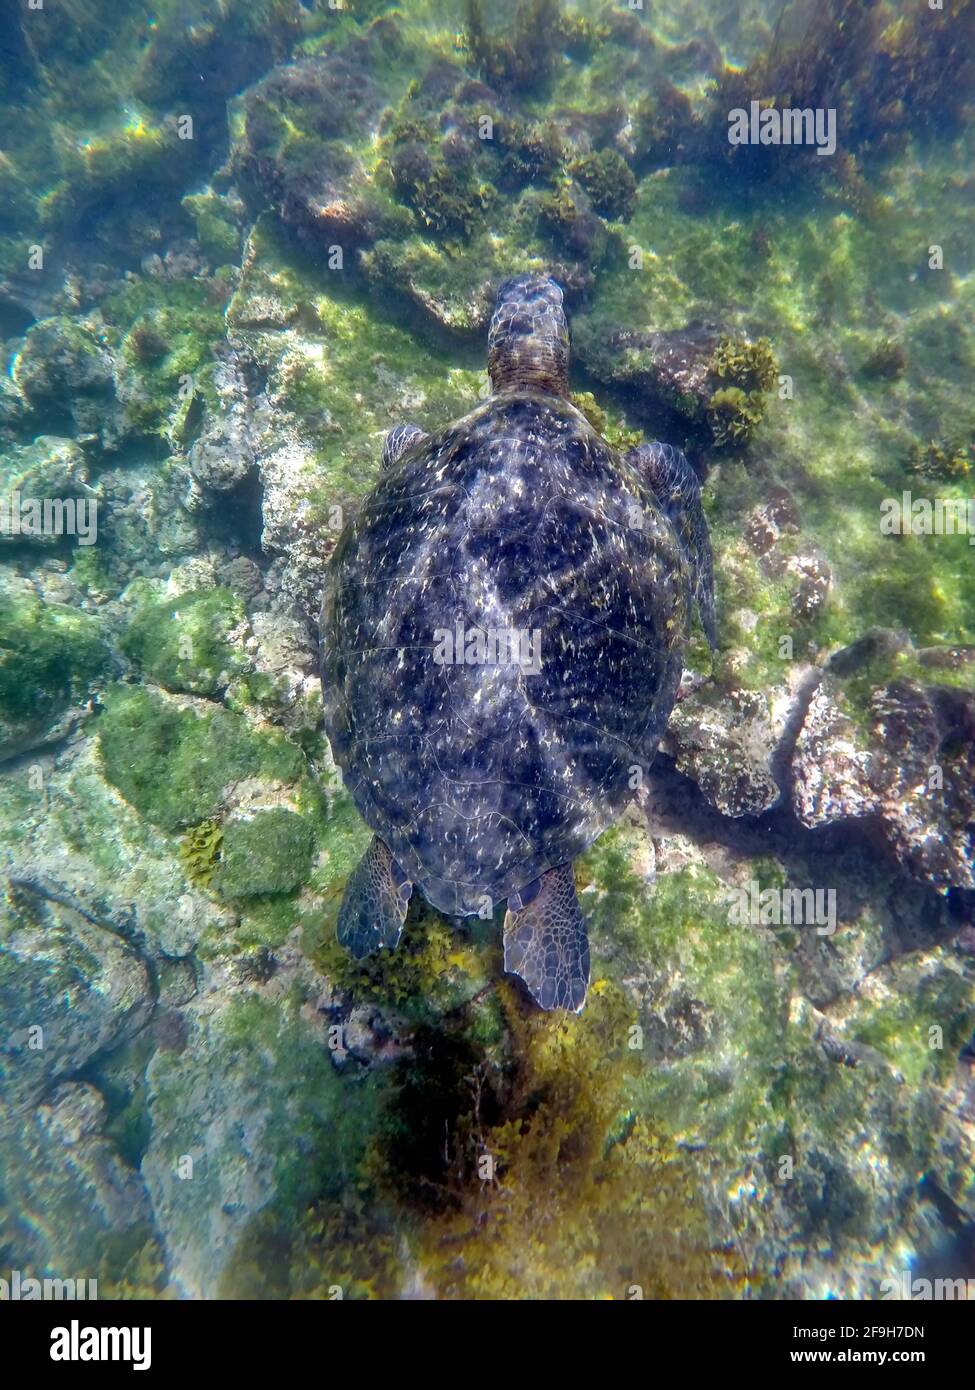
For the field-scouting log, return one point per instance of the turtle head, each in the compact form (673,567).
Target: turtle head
(528,341)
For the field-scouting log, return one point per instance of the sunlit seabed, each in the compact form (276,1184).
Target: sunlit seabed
(208,329)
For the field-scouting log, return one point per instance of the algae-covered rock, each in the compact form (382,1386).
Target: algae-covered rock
(669,369)
(218,218)
(64,827)
(810,1139)
(42,485)
(269,852)
(295,134)
(748,1101)
(224,452)
(66,369)
(51,658)
(177,763)
(185,643)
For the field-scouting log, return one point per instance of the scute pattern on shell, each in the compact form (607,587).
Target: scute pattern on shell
(481,777)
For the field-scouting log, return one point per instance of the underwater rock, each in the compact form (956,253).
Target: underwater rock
(54,472)
(66,371)
(808,574)
(747,1071)
(64,826)
(145,510)
(428,279)
(79,1210)
(877,645)
(178,760)
(69,989)
(575,230)
(189,642)
(669,371)
(267,852)
(292,135)
(609,183)
(829,764)
(220,223)
(224,453)
(248,1116)
(954,658)
(14,410)
(285,682)
(907,769)
(924,776)
(729,741)
(242,576)
(52,657)
(767,523)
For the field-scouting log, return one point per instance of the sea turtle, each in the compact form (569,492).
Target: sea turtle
(503,627)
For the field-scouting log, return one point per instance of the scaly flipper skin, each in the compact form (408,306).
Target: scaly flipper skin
(374,907)
(398,440)
(545,941)
(679,493)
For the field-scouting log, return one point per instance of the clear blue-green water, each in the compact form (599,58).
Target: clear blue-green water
(239,244)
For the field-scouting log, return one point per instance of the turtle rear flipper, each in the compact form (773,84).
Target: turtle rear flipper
(545,941)
(374,907)
(679,493)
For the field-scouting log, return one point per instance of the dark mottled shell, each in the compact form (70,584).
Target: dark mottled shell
(481,777)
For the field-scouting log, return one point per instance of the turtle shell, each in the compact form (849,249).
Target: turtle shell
(479,762)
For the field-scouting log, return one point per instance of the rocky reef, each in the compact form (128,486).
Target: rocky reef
(215,299)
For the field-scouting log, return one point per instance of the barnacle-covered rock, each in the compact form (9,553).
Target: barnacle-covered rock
(729,740)
(906,766)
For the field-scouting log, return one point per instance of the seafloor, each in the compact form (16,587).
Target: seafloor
(239,240)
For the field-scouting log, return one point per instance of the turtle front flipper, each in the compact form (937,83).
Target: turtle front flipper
(545,941)
(679,493)
(398,440)
(374,907)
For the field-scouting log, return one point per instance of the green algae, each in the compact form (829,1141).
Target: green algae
(182,643)
(434,969)
(922,1030)
(548,1185)
(735,411)
(616,432)
(270,852)
(216,229)
(609,182)
(526,58)
(173,764)
(826,289)
(51,656)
